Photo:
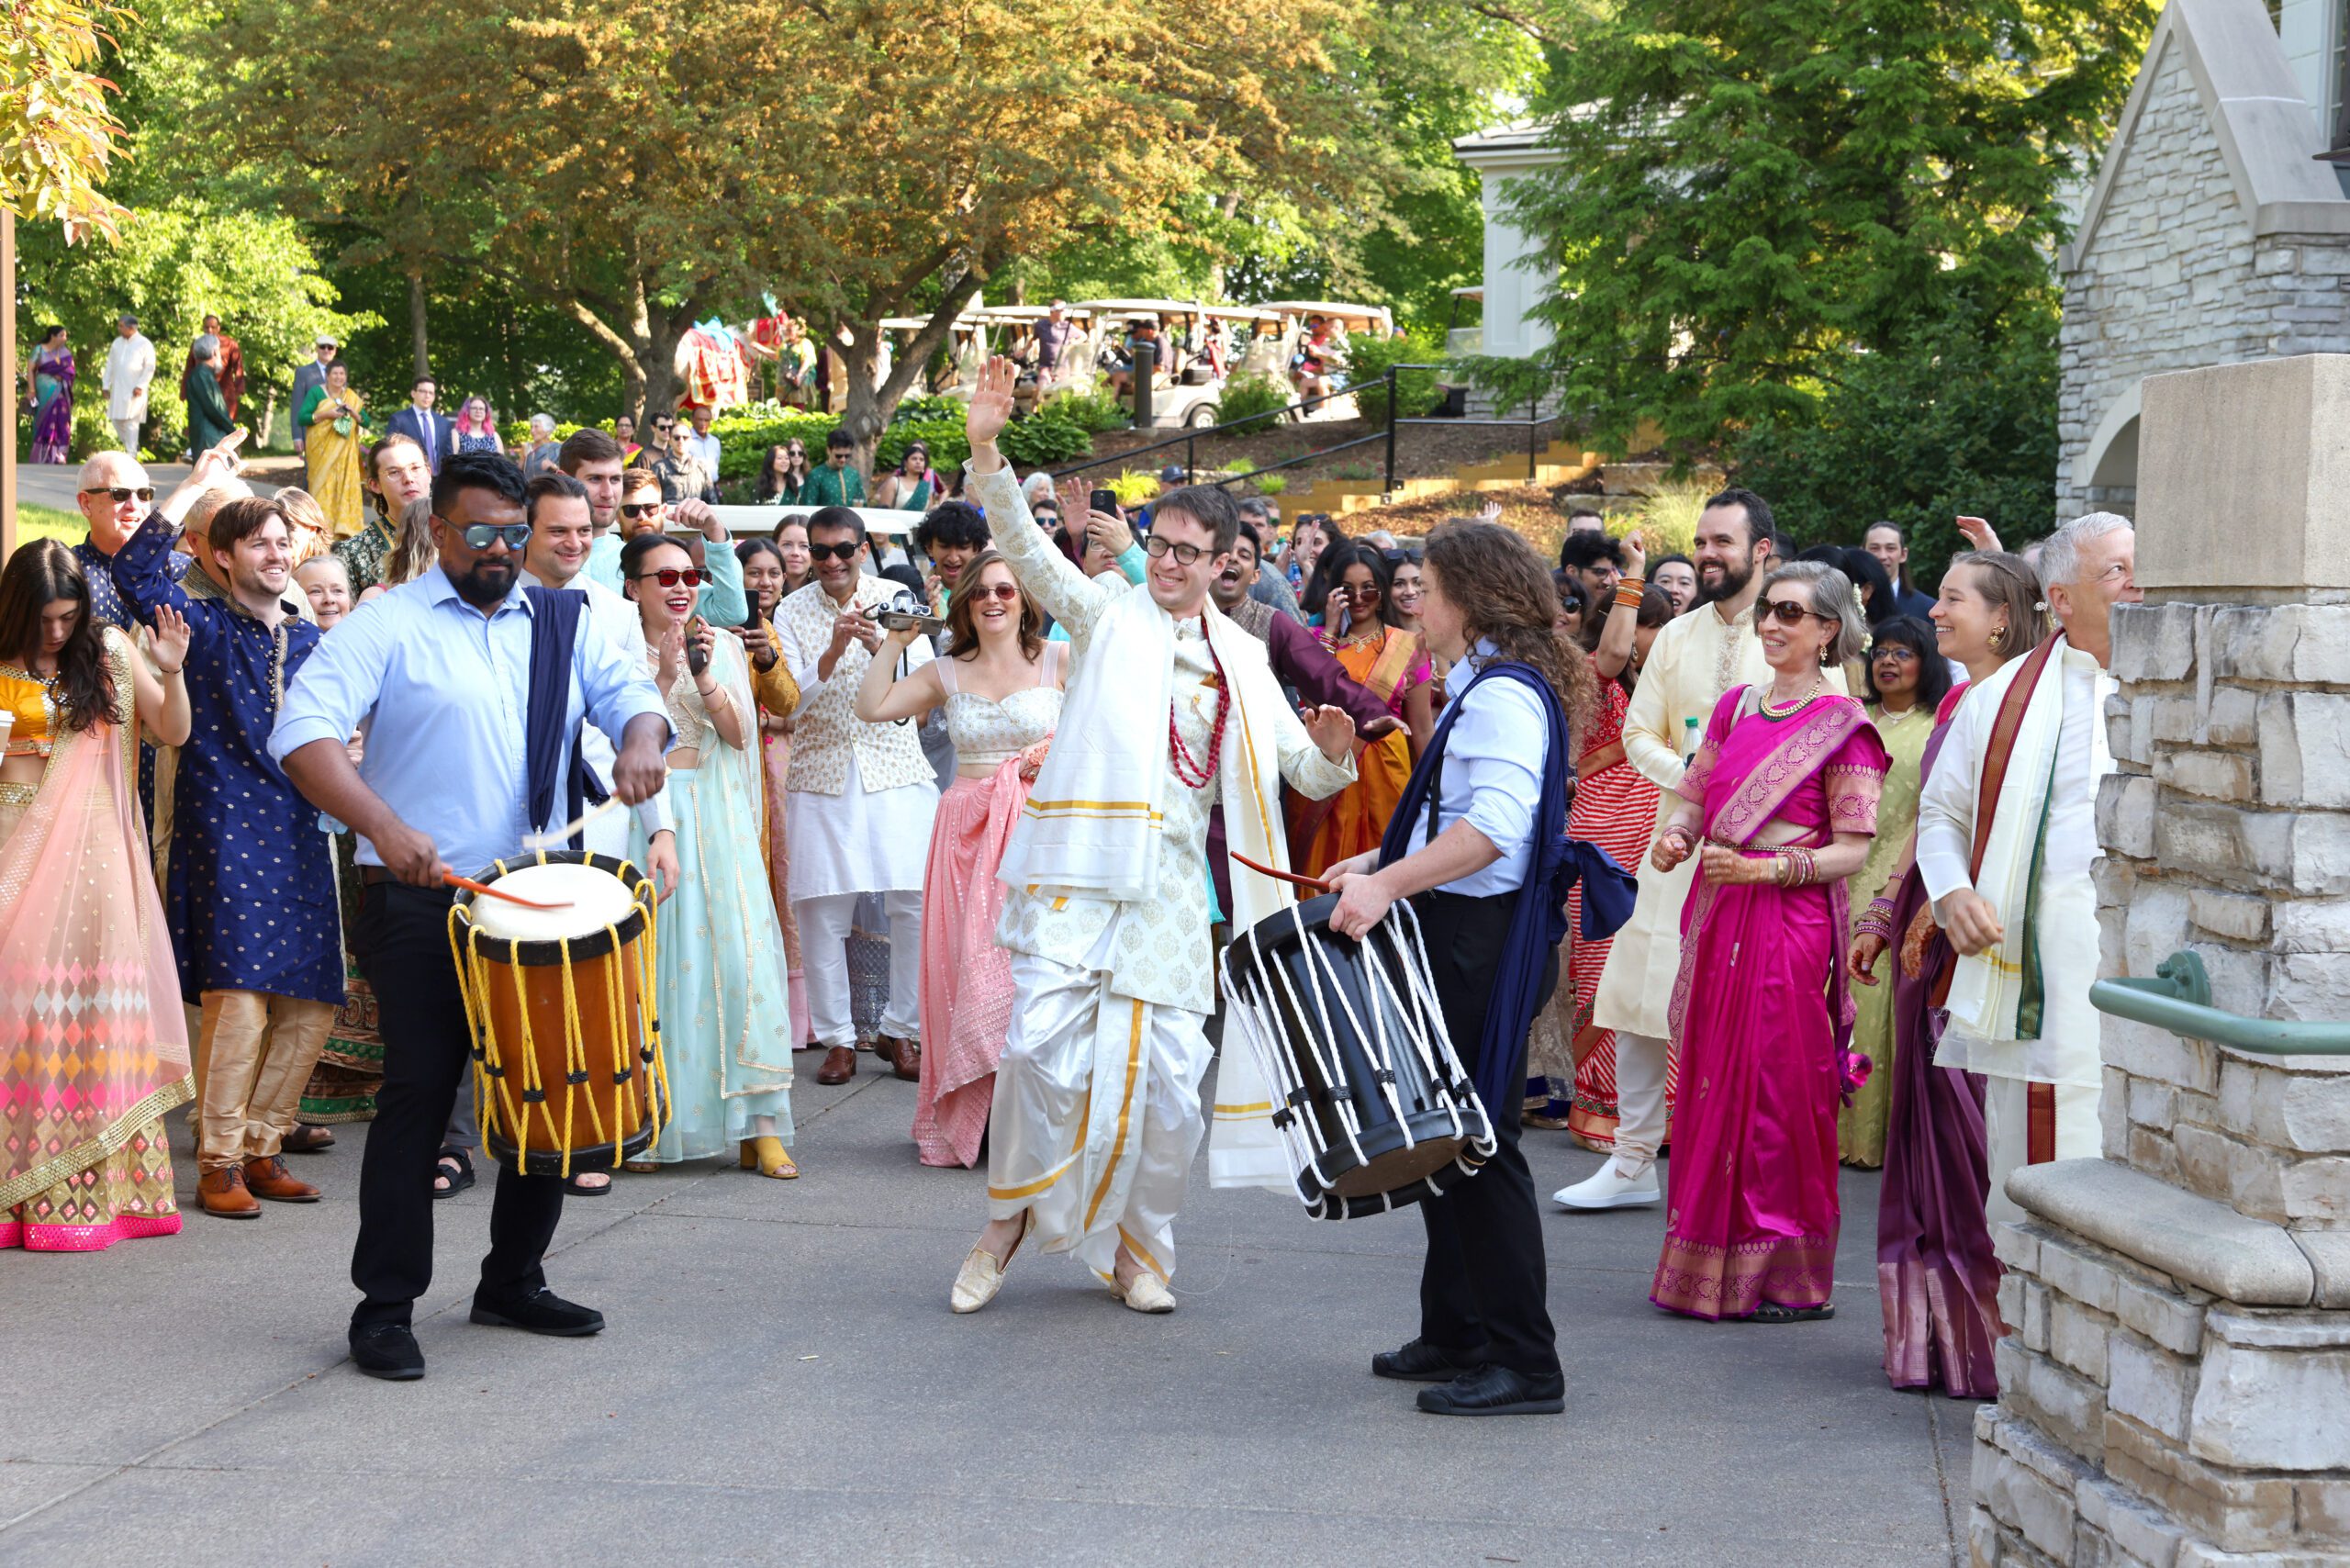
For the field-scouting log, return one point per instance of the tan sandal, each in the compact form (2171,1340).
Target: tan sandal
(769,1157)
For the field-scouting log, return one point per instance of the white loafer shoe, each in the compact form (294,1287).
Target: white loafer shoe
(977,1282)
(1609,1188)
(1147,1293)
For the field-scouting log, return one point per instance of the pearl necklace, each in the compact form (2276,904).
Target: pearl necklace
(1770,710)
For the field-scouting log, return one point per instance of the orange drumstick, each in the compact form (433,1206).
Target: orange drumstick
(484,887)
(1281,876)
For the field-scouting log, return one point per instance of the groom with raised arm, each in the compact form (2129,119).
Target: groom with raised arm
(1172,710)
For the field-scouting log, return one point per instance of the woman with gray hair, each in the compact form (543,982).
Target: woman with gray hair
(1779,805)
(208,423)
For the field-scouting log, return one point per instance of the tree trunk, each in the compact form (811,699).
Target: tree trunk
(420,345)
(871,400)
(268,418)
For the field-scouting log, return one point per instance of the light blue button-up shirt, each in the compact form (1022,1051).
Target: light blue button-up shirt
(448,689)
(1493,773)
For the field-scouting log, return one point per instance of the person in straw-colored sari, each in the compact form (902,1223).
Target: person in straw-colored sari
(335,420)
(93,1045)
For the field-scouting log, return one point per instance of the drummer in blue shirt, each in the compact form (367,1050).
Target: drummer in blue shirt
(442,667)
(1466,848)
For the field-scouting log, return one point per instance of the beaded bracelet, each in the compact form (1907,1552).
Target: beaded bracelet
(1628,594)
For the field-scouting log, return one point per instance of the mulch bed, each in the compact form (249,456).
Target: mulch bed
(1420,450)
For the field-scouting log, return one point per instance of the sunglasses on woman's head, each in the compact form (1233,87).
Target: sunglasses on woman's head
(1787,612)
(639,509)
(845,550)
(120,494)
(670,576)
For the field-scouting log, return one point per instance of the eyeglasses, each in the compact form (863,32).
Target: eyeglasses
(1004,592)
(843,551)
(670,576)
(1786,612)
(1896,652)
(1361,591)
(120,494)
(482,535)
(639,509)
(1185,555)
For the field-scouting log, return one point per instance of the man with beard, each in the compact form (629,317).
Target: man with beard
(1695,658)
(459,768)
(250,894)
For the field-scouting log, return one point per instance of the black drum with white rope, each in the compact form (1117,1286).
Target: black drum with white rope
(1370,1099)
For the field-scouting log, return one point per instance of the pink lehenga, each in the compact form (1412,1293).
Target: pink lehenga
(93,1042)
(1764,1016)
(965,977)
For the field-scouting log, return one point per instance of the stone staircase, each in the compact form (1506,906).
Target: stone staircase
(1561,462)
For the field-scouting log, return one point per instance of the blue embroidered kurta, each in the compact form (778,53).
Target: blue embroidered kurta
(107,606)
(251,899)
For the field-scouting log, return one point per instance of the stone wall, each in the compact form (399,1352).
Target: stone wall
(2171,278)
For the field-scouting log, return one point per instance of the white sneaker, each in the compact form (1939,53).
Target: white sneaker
(1610,1188)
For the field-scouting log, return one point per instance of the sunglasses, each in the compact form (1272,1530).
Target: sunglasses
(1361,591)
(639,509)
(120,494)
(1787,612)
(670,576)
(845,551)
(482,535)
(1004,592)
(1159,548)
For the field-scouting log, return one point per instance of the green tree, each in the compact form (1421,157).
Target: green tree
(58,134)
(1755,195)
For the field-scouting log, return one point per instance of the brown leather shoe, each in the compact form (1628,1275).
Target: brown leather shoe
(907,1057)
(840,1065)
(223,1193)
(269,1178)
(886,1048)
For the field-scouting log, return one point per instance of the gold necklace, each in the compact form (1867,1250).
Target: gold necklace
(1770,710)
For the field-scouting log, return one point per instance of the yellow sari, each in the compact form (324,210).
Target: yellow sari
(334,462)
(1322,833)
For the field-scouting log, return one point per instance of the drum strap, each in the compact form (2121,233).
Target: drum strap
(554,632)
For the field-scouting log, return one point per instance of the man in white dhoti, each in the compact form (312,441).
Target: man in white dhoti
(1171,709)
(2007,831)
(858,800)
(1695,659)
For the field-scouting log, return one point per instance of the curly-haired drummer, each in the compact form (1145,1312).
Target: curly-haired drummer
(477,688)
(1170,709)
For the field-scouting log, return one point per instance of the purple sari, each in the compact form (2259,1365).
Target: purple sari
(52,397)
(1764,1017)
(1934,1268)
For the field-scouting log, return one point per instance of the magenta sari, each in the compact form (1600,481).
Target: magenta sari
(1763,1016)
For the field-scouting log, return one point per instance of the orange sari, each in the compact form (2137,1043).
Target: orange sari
(1322,833)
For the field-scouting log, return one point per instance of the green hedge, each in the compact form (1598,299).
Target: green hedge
(1248,396)
(1415,390)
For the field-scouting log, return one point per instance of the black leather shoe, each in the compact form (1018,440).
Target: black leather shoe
(387,1350)
(1496,1391)
(1420,1361)
(546,1313)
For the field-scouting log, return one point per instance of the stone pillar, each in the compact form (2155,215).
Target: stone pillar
(2175,1389)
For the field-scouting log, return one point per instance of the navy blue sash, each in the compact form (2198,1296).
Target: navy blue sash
(546,746)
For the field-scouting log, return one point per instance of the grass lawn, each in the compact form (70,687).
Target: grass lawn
(48,523)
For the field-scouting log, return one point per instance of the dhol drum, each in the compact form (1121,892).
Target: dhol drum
(1369,1096)
(566,1045)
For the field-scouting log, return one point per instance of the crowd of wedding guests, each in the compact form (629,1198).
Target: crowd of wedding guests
(856,724)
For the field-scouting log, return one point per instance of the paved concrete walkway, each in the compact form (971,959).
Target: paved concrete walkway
(782,1384)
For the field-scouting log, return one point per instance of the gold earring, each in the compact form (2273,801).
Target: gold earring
(1998,639)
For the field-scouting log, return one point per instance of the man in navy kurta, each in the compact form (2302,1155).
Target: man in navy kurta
(250,895)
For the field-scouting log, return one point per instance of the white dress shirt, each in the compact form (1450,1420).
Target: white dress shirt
(1492,776)
(706,448)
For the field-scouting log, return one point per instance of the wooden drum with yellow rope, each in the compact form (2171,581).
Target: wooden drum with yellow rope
(567,1040)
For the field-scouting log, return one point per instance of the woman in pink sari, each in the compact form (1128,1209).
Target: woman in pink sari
(1001,683)
(1781,803)
(93,1041)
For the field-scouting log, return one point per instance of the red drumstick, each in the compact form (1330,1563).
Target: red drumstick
(1281,876)
(484,887)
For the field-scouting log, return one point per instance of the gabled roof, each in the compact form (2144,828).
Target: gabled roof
(2265,129)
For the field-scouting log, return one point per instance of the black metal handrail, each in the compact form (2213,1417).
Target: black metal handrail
(1189,440)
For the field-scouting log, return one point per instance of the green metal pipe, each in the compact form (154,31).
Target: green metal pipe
(2179,999)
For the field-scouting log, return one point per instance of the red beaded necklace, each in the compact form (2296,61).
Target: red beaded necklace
(1192,773)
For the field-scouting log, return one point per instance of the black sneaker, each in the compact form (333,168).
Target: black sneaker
(1420,1361)
(388,1350)
(543,1313)
(1496,1391)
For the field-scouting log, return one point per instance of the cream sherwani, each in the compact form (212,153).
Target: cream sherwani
(2052,805)
(1097,1113)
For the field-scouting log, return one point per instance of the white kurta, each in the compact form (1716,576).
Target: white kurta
(1694,660)
(1097,1114)
(129,371)
(2066,1054)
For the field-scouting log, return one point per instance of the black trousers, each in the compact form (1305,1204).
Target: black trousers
(1484,1289)
(403,948)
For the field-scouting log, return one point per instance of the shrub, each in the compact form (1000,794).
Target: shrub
(745,435)
(1415,390)
(1044,438)
(1269,484)
(1133,487)
(1095,412)
(949,448)
(1250,402)
(927,409)
(1667,518)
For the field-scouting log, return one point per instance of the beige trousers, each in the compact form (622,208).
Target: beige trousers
(253,1053)
(2007,1134)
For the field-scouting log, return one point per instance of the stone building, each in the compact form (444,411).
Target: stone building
(2212,234)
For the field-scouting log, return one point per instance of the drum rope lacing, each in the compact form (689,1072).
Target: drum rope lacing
(474,967)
